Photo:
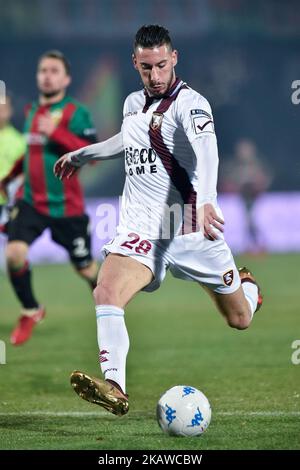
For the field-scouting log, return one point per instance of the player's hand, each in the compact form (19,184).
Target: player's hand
(208,219)
(66,166)
(46,125)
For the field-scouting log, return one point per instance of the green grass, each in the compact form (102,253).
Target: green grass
(177,337)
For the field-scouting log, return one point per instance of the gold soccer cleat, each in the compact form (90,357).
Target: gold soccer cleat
(100,392)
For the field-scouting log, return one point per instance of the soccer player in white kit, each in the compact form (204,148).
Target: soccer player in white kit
(169,217)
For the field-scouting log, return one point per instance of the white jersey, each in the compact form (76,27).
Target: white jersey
(171,160)
(160,162)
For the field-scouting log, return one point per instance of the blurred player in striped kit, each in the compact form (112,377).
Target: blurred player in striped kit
(55,124)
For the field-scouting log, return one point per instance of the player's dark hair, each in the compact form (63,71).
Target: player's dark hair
(54,54)
(152,35)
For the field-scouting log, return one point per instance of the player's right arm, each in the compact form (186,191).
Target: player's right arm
(69,163)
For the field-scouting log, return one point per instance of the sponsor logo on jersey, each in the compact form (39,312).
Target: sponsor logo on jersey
(139,161)
(228,278)
(156,121)
(130,113)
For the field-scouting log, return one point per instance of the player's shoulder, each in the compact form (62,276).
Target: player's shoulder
(134,96)
(193,100)
(78,105)
(132,100)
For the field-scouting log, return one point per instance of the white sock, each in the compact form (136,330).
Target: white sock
(251,294)
(113,342)
(29,312)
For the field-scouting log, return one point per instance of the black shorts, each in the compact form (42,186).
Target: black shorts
(73,233)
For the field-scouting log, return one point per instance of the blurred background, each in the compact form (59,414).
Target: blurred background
(242,55)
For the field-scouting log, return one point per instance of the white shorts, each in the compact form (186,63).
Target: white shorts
(190,257)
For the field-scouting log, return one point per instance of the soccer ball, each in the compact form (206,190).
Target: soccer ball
(183,411)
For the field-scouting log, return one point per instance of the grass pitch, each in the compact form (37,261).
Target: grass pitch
(177,337)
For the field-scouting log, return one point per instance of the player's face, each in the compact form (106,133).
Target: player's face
(52,77)
(156,67)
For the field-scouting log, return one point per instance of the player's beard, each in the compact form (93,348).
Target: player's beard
(161,95)
(50,94)
(158,95)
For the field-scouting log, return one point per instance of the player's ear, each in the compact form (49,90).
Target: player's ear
(174,57)
(134,61)
(68,80)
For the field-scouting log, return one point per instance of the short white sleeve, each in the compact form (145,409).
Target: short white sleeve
(195,115)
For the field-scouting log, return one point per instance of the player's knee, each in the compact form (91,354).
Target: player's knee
(105,293)
(16,253)
(239,320)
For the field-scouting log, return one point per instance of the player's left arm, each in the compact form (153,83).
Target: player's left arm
(198,124)
(206,151)
(67,165)
(79,133)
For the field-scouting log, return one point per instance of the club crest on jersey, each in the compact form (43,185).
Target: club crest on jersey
(228,277)
(156,121)
(56,116)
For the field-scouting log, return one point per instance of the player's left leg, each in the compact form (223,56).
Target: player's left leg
(73,233)
(235,292)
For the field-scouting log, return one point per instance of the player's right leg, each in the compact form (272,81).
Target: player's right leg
(120,278)
(24,227)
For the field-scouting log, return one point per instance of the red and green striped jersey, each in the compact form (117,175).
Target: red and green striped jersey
(46,193)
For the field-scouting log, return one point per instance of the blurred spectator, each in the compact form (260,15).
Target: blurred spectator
(248,175)
(12,147)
